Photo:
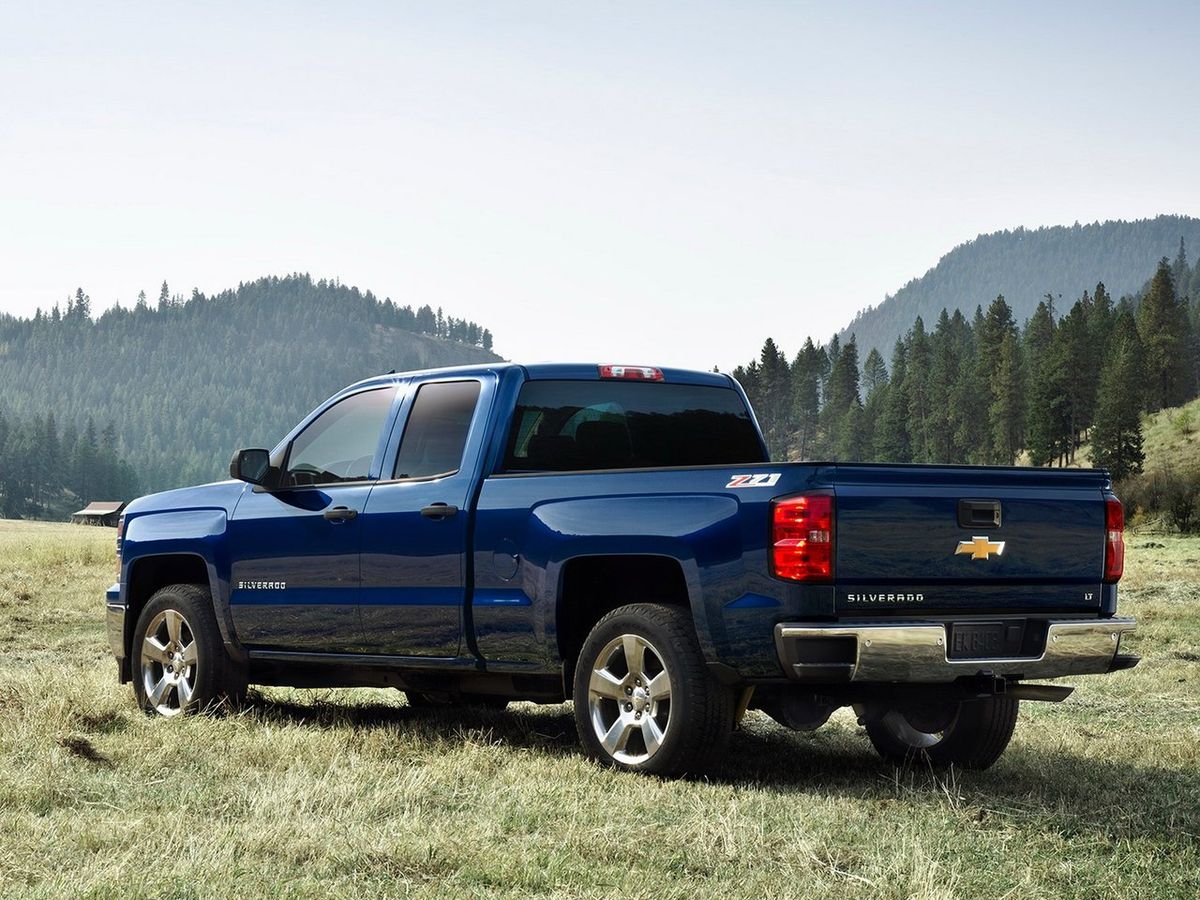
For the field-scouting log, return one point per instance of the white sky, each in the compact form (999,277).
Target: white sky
(639,182)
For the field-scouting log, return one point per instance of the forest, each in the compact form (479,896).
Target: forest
(989,390)
(159,395)
(174,386)
(1024,264)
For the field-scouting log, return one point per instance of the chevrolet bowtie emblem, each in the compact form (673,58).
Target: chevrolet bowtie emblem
(980,547)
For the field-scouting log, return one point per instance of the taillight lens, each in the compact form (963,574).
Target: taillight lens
(802,538)
(1114,539)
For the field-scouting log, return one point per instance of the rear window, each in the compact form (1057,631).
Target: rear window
(563,426)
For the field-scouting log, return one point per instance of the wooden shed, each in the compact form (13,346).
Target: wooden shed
(100,512)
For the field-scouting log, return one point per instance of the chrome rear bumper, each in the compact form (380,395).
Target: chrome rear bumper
(917,652)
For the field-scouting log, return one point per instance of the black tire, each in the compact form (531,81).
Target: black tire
(420,700)
(210,681)
(698,709)
(975,737)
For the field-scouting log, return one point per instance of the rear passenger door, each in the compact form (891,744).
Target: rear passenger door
(415,525)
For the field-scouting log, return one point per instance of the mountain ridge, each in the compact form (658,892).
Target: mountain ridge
(1024,264)
(187,382)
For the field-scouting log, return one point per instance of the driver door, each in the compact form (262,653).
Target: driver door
(295,580)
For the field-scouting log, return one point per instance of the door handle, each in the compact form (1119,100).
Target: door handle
(439,511)
(340,514)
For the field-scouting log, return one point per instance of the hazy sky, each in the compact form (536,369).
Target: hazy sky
(635,182)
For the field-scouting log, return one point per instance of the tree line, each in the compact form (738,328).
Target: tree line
(49,472)
(990,390)
(1023,264)
(186,380)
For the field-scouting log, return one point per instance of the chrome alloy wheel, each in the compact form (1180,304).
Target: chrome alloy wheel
(629,698)
(169,657)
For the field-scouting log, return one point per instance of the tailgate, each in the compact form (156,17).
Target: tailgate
(972,539)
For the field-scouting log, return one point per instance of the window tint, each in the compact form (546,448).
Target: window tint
(577,425)
(341,442)
(436,433)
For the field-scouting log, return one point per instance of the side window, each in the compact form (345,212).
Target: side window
(340,443)
(436,433)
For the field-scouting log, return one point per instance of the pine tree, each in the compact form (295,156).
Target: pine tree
(1007,412)
(874,373)
(1117,436)
(1180,271)
(891,440)
(774,394)
(969,395)
(917,387)
(1005,409)
(1045,389)
(842,394)
(807,370)
(1166,336)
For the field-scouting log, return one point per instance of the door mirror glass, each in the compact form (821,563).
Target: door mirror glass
(253,466)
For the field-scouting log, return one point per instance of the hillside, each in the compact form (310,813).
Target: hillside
(184,383)
(1170,440)
(1024,265)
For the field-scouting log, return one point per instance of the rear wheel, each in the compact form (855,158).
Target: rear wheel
(180,663)
(644,699)
(972,734)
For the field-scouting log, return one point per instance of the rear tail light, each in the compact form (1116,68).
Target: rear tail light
(802,538)
(1114,540)
(632,373)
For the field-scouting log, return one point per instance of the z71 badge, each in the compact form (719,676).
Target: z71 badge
(763,479)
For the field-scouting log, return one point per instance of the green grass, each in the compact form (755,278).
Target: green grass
(1170,440)
(351,793)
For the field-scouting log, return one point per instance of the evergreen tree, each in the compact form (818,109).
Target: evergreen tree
(1117,436)
(917,388)
(874,373)
(1180,271)
(1166,336)
(970,395)
(891,438)
(1007,412)
(807,373)
(841,395)
(774,399)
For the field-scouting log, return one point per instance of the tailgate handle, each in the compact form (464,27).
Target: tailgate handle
(973,513)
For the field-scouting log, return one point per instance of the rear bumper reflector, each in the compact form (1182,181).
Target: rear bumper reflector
(916,651)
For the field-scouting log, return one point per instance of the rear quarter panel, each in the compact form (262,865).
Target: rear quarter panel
(528,527)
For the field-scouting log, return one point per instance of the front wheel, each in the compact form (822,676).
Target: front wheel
(972,734)
(179,661)
(644,699)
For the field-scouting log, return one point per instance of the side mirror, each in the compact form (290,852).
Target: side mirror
(253,466)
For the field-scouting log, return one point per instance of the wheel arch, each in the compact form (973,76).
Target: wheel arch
(591,586)
(148,574)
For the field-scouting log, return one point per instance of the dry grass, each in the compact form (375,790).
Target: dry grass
(353,794)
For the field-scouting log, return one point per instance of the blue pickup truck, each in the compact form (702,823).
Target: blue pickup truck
(616,536)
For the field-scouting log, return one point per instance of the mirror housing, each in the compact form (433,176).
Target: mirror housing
(253,466)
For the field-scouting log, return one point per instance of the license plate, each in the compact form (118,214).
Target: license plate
(979,640)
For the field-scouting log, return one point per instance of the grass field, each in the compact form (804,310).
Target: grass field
(351,793)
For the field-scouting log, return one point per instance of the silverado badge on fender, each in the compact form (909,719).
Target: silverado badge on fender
(980,547)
